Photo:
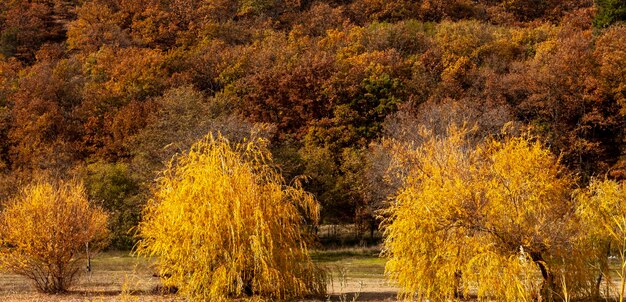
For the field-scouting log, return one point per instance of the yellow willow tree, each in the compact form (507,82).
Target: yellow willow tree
(224,224)
(602,210)
(485,219)
(46,231)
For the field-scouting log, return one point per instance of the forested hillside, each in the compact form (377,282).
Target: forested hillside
(109,91)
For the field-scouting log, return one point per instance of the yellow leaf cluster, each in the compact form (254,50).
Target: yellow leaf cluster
(224,224)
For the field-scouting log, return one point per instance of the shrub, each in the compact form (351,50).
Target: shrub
(224,224)
(46,231)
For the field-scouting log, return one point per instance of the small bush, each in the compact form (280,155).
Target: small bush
(45,232)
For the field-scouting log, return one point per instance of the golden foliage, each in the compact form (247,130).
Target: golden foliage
(601,204)
(602,210)
(490,218)
(45,232)
(224,224)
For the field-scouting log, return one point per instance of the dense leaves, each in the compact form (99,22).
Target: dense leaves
(131,83)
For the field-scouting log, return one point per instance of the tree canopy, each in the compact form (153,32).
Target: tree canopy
(490,216)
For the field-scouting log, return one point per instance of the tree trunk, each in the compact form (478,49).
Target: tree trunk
(547,288)
(372,229)
(604,267)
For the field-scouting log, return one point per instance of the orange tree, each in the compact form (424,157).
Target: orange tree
(224,224)
(46,231)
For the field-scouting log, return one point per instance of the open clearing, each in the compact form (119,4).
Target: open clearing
(357,274)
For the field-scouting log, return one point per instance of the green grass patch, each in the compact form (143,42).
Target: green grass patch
(322,256)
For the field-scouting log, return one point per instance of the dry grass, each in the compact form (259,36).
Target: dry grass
(117,276)
(356,273)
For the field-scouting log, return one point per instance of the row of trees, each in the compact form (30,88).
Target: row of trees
(108,91)
(494,216)
(26,25)
(223,224)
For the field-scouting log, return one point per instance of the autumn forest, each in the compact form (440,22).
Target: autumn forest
(482,141)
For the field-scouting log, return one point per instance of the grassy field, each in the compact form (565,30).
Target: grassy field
(116,276)
(357,275)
